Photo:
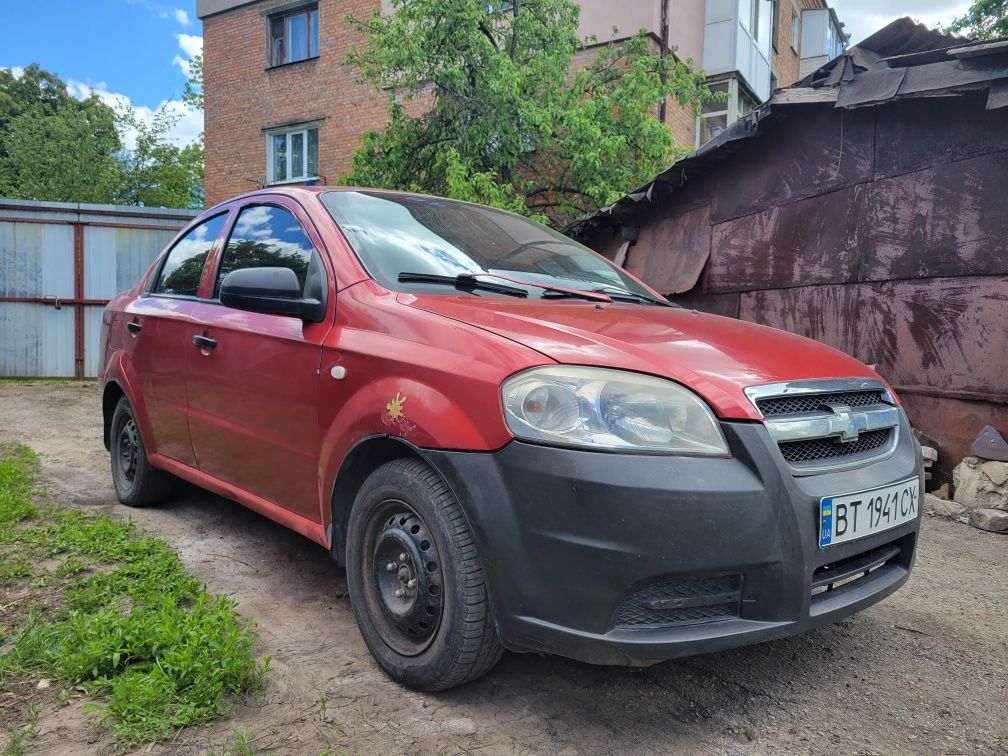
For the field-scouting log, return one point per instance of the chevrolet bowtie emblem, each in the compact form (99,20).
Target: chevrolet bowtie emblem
(846,421)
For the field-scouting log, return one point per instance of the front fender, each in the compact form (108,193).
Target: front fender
(413,411)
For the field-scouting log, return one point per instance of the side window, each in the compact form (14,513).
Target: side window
(265,236)
(181,271)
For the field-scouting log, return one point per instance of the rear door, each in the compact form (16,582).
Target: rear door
(157,326)
(253,378)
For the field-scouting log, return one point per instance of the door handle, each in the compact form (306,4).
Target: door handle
(133,327)
(204,342)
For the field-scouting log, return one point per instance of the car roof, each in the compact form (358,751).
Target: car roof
(300,191)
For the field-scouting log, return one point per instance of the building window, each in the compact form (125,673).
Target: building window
(775,33)
(744,104)
(715,117)
(293,35)
(794,29)
(292,155)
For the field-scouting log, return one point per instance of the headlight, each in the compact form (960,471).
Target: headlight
(608,409)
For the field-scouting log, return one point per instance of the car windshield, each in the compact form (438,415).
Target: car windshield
(397,234)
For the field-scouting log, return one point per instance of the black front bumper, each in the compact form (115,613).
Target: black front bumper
(574,541)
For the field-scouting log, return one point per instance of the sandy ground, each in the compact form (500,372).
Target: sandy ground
(924,671)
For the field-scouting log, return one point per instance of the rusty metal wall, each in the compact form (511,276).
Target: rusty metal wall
(59,265)
(881,231)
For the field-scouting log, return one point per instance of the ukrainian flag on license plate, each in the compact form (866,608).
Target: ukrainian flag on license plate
(825,522)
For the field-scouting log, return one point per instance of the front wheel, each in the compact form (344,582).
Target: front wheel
(416,581)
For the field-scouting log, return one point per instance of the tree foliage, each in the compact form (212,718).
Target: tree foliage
(985,19)
(484,106)
(56,147)
(193,93)
(156,172)
(52,145)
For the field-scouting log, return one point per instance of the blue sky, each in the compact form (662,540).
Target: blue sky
(124,50)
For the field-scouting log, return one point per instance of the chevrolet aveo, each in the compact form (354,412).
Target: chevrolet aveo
(507,441)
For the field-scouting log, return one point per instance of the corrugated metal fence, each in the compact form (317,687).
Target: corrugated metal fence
(59,265)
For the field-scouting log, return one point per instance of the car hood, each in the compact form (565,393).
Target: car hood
(717,357)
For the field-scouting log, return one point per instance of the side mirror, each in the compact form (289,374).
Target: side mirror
(273,291)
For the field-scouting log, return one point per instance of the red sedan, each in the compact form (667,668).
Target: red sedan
(506,440)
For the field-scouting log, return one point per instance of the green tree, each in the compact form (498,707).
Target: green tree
(52,145)
(157,172)
(985,19)
(484,106)
(193,93)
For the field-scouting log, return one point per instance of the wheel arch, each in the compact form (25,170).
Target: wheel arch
(363,458)
(366,456)
(111,395)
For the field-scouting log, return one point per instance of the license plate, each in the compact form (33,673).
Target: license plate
(844,518)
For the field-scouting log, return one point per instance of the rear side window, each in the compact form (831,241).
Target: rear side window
(180,274)
(265,236)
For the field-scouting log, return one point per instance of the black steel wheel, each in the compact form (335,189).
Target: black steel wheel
(416,582)
(405,577)
(137,484)
(127,450)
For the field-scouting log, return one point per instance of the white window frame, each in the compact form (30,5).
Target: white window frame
(730,106)
(288,132)
(795,29)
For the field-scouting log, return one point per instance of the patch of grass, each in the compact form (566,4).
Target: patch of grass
(18,735)
(125,622)
(240,743)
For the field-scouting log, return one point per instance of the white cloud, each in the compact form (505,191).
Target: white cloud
(182,17)
(187,127)
(865,17)
(191,46)
(16,71)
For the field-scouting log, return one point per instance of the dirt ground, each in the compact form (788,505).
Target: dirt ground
(924,671)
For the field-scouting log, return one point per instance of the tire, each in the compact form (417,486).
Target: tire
(439,633)
(137,484)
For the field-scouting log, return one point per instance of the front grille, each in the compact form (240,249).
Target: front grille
(845,572)
(681,602)
(786,405)
(818,449)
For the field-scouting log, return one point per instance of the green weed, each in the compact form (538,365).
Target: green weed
(138,631)
(18,735)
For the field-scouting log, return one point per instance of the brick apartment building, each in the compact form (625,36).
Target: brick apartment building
(282,107)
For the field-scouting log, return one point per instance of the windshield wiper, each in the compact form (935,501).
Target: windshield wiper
(463,282)
(550,293)
(622,295)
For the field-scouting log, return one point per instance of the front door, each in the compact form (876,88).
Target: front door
(253,378)
(157,327)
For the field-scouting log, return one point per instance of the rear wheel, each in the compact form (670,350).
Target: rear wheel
(416,581)
(137,484)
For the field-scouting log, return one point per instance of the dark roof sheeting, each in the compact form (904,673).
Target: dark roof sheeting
(903,59)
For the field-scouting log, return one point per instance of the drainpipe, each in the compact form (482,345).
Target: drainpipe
(664,52)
